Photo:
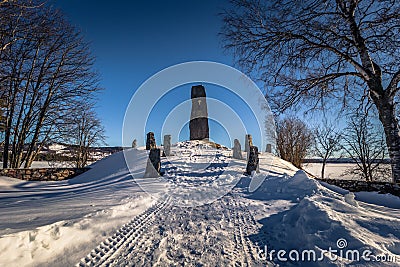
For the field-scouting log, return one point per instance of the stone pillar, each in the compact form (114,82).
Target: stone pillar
(134,143)
(269,148)
(247,144)
(153,166)
(167,145)
(237,150)
(198,124)
(150,141)
(253,161)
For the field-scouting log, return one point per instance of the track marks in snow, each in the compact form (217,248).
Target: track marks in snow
(242,251)
(123,239)
(166,235)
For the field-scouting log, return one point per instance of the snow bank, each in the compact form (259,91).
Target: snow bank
(58,222)
(313,217)
(64,242)
(386,200)
(286,187)
(350,199)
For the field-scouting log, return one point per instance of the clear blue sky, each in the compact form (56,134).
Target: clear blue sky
(133,40)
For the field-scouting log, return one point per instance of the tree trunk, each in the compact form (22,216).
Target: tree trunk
(323,169)
(10,114)
(6,144)
(33,155)
(387,116)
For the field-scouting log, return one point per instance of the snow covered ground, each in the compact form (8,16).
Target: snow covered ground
(47,164)
(192,216)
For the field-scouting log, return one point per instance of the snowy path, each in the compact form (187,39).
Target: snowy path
(169,234)
(166,234)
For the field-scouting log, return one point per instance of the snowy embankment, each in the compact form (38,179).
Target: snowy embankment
(298,213)
(55,221)
(59,223)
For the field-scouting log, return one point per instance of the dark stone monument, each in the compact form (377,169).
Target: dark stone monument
(237,150)
(198,124)
(167,145)
(253,161)
(153,163)
(150,141)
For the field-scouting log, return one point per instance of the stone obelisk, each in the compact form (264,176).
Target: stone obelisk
(198,125)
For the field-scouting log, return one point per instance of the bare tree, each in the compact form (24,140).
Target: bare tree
(307,51)
(327,143)
(84,132)
(45,72)
(294,140)
(15,11)
(364,142)
(12,28)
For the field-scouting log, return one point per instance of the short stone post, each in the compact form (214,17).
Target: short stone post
(253,161)
(268,148)
(153,166)
(167,145)
(247,144)
(237,150)
(150,141)
(134,143)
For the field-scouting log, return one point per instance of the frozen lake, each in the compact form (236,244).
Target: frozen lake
(334,170)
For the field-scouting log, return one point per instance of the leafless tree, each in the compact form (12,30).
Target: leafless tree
(327,142)
(294,140)
(311,50)
(45,72)
(85,131)
(364,142)
(15,11)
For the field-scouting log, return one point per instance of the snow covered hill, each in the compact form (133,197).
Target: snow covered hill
(194,215)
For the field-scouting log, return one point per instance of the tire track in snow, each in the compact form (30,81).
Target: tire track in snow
(242,251)
(140,243)
(189,236)
(124,238)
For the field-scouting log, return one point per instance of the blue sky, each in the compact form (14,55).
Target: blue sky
(133,40)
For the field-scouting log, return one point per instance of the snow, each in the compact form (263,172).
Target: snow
(47,164)
(56,147)
(350,199)
(46,243)
(315,217)
(376,198)
(41,220)
(193,215)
